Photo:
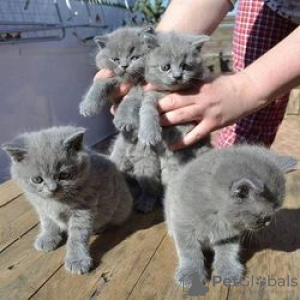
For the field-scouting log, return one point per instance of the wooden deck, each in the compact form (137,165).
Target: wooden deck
(137,261)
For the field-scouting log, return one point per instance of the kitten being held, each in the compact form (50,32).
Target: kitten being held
(121,52)
(215,199)
(74,190)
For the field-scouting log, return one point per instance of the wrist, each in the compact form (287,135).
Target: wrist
(252,96)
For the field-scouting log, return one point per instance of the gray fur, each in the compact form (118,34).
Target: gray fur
(181,53)
(79,192)
(122,52)
(215,198)
(149,159)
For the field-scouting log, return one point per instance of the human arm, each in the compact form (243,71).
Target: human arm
(194,16)
(226,99)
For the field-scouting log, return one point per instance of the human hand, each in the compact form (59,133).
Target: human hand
(213,105)
(122,91)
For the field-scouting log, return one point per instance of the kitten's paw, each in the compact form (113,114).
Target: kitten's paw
(124,125)
(234,273)
(47,242)
(78,265)
(187,276)
(151,136)
(89,108)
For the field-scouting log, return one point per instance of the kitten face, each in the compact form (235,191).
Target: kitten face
(255,199)
(176,62)
(52,164)
(123,53)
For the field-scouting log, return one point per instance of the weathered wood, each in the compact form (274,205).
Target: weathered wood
(23,269)
(9,191)
(121,255)
(16,218)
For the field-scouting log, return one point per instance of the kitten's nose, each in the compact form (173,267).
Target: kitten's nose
(123,64)
(52,187)
(177,75)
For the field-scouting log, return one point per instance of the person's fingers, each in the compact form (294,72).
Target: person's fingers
(122,91)
(174,101)
(197,133)
(181,116)
(113,109)
(104,73)
(149,87)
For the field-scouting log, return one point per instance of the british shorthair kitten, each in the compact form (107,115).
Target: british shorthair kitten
(121,52)
(215,198)
(74,190)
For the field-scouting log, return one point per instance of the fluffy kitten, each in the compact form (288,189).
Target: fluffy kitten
(174,64)
(73,190)
(122,52)
(134,159)
(218,196)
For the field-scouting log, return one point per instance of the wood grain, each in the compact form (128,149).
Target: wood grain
(9,191)
(23,269)
(121,255)
(16,218)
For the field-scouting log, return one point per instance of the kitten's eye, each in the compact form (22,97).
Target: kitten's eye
(37,179)
(115,59)
(65,176)
(165,68)
(187,67)
(135,57)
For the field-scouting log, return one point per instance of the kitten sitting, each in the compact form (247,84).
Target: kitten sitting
(121,52)
(215,199)
(73,190)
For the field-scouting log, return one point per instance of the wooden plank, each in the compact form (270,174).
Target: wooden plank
(121,255)
(8,192)
(23,269)
(16,218)
(157,281)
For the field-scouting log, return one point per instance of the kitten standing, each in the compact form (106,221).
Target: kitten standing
(215,199)
(73,190)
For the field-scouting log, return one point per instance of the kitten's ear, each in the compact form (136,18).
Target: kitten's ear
(149,36)
(75,141)
(243,187)
(150,40)
(101,40)
(15,149)
(285,163)
(198,43)
(148,29)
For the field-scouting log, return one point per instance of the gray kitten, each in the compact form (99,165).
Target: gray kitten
(174,64)
(218,196)
(74,190)
(122,52)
